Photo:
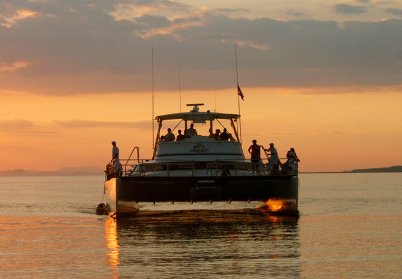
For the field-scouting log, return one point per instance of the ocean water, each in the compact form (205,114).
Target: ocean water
(350,227)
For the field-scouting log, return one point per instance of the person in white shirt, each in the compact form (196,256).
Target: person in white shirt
(273,159)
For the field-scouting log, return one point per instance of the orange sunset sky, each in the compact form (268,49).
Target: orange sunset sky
(324,77)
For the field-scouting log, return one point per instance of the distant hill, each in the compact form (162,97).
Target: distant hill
(63,171)
(385,169)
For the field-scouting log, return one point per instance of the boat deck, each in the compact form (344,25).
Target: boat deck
(200,168)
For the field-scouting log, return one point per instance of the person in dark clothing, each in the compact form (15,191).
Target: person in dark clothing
(255,154)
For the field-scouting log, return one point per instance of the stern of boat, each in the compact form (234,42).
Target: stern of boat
(111,198)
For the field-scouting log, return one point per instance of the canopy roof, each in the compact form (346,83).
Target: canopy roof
(196,116)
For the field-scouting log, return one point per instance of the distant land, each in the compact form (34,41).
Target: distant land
(385,169)
(59,172)
(370,170)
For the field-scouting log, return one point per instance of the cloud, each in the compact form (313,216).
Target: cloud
(395,12)
(137,9)
(22,127)
(14,66)
(101,46)
(15,124)
(252,44)
(170,29)
(8,20)
(102,124)
(349,9)
(295,14)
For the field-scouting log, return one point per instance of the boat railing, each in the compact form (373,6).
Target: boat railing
(129,157)
(143,167)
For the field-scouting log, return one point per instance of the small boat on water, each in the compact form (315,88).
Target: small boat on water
(199,167)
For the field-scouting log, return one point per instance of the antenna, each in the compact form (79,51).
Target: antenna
(195,107)
(216,89)
(180,90)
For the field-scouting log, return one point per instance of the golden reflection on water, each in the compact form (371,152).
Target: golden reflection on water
(178,240)
(112,243)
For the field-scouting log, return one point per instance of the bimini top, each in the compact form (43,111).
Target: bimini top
(196,116)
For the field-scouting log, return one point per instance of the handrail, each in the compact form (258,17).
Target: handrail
(132,151)
(211,168)
(196,165)
(129,157)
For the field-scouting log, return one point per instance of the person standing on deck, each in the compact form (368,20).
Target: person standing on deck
(273,159)
(255,151)
(116,159)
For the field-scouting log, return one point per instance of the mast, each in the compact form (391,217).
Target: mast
(153,99)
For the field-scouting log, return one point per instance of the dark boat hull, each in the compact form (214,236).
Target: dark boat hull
(122,194)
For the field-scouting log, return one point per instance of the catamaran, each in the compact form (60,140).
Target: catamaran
(199,167)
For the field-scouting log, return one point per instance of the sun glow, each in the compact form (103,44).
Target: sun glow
(329,131)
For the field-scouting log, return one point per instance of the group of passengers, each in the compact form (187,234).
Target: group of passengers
(224,136)
(190,132)
(273,158)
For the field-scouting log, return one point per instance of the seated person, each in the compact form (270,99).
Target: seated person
(211,134)
(217,134)
(225,136)
(291,163)
(170,136)
(191,131)
(180,136)
(292,156)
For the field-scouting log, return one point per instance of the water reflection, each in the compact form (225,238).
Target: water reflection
(112,243)
(204,243)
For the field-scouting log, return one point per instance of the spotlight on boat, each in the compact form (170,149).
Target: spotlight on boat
(277,206)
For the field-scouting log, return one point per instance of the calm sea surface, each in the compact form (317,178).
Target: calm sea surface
(350,227)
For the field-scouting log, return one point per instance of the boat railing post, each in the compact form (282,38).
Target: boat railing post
(245,167)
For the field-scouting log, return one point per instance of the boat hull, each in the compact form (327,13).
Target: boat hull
(123,194)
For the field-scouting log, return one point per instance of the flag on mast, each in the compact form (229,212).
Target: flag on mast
(239,92)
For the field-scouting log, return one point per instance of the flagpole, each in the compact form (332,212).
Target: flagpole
(238,96)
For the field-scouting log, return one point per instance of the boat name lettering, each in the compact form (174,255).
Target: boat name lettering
(199,148)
